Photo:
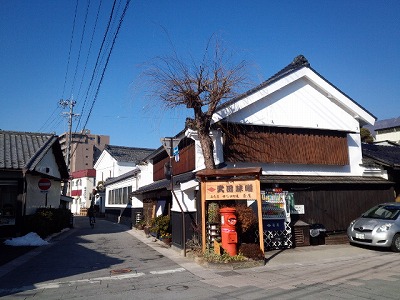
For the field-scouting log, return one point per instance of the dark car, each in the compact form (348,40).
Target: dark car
(379,227)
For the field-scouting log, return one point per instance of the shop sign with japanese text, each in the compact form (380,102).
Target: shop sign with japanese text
(231,190)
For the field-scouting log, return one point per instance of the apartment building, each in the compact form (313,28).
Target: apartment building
(86,148)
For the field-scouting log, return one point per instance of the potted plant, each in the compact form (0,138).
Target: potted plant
(160,226)
(166,238)
(140,225)
(213,216)
(213,221)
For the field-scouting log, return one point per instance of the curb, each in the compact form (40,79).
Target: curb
(176,255)
(8,267)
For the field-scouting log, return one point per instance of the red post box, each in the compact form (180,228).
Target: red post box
(228,230)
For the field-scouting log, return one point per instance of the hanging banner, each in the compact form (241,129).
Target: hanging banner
(230,190)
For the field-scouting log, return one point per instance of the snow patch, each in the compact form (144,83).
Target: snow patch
(31,239)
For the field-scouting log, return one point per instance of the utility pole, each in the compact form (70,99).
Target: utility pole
(169,145)
(70,114)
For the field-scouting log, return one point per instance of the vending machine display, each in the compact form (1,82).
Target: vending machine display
(276,218)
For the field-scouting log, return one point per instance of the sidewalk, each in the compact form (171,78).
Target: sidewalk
(276,258)
(91,256)
(11,257)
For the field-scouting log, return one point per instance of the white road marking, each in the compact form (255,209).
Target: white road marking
(167,271)
(56,285)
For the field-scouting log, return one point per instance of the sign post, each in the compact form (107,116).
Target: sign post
(44,184)
(230,184)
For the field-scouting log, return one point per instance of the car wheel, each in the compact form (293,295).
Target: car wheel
(396,243)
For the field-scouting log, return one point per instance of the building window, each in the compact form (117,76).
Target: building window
(119,196)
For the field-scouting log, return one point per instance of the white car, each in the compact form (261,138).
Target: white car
(379,227)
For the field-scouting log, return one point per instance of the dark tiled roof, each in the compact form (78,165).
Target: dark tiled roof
(122,177)
(384,155)
(164,183)
(295,179)
(282,179)
(19,150)
(128,154)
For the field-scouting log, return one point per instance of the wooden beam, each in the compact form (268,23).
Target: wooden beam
(229,172)
(203,214)
(260,219)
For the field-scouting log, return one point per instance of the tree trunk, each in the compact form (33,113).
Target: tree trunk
(207,147)
(202,123)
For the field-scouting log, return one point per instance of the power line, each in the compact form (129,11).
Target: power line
(70,48)
(53,115)
(107,61)
(80,46)
(105,66)
(97,62)
(90,48)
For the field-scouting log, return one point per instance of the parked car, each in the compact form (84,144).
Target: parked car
(379,226)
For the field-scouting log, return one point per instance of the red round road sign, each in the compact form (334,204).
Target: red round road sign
(44,184)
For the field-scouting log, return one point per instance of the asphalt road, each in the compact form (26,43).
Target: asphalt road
(114,262)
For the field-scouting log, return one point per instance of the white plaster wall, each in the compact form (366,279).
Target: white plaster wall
(137,203)
(218,148)
(107,167)
(48,162)
(390,136)
(186,200)
(88,184)
(35,198)
(298,105)
(291,83)
(301,100)
(104,167)
(121,168)
(145,176)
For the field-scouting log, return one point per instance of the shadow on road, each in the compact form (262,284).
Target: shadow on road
(270,256)
(79,251)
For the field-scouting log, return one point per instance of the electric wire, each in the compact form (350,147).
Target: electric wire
(107,61)
(105,66)
(80,46)
(96,65)
(89,50)
(53,115)
(67,69)
(106,47)
(70,48)
(55,121)
(112,26)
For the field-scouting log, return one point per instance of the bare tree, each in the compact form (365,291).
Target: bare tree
(199,86)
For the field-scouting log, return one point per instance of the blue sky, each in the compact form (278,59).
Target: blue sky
(353,44)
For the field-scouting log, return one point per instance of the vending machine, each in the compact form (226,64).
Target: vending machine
(276,207)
